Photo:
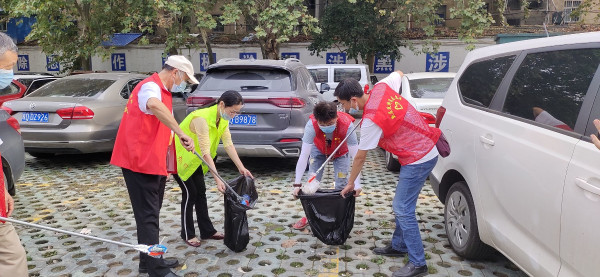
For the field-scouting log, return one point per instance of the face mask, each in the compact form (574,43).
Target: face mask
(6,77)
(178,88)
(225,115)
(327,129)
(352,110)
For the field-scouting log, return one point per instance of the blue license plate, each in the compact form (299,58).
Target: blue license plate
(243,119)
(35,117)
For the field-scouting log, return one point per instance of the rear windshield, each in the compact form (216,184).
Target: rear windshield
(73,88)
(247,80)
(430,87)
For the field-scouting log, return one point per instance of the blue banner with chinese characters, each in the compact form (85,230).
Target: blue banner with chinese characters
(118,62)
(205,61)
(23,63)
(438,62)
(384,64)
(335,58)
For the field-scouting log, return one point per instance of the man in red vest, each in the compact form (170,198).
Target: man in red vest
(391,123)
(13,261)
(141,151)
(323,133)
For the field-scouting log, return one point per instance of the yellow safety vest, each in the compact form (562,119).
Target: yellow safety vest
(188,162)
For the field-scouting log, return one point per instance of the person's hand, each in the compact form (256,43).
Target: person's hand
(221,186)
(595,139)
(295,192)
(357,192)
(10,204)
(246,172)
(187,142)
(347,189)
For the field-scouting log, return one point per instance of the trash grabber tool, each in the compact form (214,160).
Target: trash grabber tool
(155,250)
(214,171)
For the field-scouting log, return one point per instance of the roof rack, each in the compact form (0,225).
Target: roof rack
(228,60)
(288,60)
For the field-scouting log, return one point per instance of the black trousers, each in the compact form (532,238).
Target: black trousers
(194,195)
(146,193)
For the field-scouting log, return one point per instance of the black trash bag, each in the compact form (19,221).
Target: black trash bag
(236,221)
(330,216)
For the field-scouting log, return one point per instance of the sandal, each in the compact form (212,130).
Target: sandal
(217,236)
(301,224)
(194,242)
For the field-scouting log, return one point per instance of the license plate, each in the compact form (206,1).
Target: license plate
(35,117)
(243,119)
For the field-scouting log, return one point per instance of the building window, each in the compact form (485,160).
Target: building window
(570,6)
(441,12)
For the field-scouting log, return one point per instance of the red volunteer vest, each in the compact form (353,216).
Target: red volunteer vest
(3,210)
(405,133)
(142,140)
(344,121)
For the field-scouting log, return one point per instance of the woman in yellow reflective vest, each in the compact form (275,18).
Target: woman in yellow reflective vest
(206,126)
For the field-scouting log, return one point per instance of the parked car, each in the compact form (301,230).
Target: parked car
(279,96)
(523,175)
(13,153)
(76,114)
(332,74)
(425,91)
(15,90)
(33,81)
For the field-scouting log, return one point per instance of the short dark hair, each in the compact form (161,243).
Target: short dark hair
(325,111)
(347,89)
(231,98)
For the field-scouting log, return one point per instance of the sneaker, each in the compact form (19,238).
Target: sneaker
(388,251)
(301,224)
(410,270)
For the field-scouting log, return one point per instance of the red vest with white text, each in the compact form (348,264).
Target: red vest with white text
(343,122)
(142,140)
(405,133)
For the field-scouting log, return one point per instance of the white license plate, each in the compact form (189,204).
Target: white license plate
(35,117)
(243,119)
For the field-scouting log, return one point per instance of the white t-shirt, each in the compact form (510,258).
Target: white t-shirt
(371,133)
(147,91)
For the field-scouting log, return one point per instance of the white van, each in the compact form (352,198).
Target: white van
(332,74)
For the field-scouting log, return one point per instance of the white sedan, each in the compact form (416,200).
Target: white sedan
(425,91)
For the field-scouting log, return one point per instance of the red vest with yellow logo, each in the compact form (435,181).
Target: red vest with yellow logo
(142,140)
(405,133)
(343,122)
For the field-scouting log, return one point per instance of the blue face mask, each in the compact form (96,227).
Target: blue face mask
(225,116)
(179,88)
(6,77)
(352,110)
(327,129)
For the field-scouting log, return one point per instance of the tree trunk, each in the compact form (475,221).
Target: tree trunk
(370,62)
(83,61)
(269,48)
(211,59)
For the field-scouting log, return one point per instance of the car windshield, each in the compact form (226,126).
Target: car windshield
(73,88)
(247,80)
(429,87)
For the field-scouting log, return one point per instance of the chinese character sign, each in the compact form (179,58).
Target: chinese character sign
(118,62)
(164,58)
(23,63)
(383,64)
(247,56)
(51,65)
(288,55)
(438,62)
(205,61)
(335,58)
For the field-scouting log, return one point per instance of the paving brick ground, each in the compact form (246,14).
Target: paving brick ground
(76,192)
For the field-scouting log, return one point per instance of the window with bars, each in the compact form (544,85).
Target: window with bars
(570,6)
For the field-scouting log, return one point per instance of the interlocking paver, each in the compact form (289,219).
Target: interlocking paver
(84,191)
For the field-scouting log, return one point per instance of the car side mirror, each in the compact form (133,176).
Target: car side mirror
(324,87)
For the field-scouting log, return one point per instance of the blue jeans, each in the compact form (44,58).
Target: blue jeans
(407,236)
(341,166)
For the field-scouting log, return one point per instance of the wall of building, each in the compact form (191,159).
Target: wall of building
(148,58)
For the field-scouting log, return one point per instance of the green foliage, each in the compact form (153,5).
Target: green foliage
(275,21)
(372,29)
(474,19)
(585,8)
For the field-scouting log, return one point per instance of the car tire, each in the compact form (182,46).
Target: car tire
(460,219)
(7,186)
(41,155)
(390,163)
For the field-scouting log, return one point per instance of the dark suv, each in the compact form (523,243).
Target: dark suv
(279,96)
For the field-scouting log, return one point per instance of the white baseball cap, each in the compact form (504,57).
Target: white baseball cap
(183,64)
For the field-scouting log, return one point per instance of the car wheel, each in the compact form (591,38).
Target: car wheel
(390,163)
(41,155)
(11,190)
(461,223)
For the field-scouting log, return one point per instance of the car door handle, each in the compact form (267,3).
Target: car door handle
(486,140)
(583,184)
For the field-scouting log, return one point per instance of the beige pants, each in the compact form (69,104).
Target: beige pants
(13,261)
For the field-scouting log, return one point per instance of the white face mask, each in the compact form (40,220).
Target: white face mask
(178,87)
